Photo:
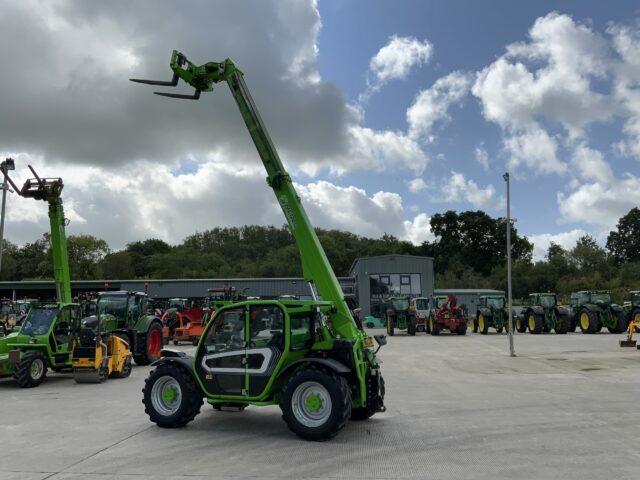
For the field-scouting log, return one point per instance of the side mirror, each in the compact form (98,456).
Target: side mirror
(381,340)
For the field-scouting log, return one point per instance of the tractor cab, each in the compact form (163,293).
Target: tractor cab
(44,341)
(493,302)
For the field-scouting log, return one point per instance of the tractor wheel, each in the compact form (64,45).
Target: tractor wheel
(390,326)
(364,413)
(621,323)
(589,321)
(572,323)
(32,369)
(474,325)
(171,397)
(483,324)
(152,346)
(411,326)
(562,324)
(461,330)
(315,403)
(433,330)
(521,325)
(427,325)
(535,323)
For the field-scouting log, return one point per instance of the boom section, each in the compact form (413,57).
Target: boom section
(315,265)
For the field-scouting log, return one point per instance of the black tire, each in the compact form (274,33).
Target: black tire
(190,399)
(411,326)
(427,325)
(338,391)
(390,325)
(435,330)
(24,374)
(521,324)
(462,330)
(483,326)
(622,324)
(126,370)
(535,323)
(364,413)
(146,358)
(562,324)
(474,324)
(589,322)
(176,342)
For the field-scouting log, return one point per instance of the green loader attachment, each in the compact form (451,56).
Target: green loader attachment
(312,358)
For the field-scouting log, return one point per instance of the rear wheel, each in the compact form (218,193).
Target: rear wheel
(483,324)
(589,321)
(316,403)
(474,325)
(411,326)
(171,397)
(433,330)
(32,369)
(521,325)
(390,326)
(621,323)
(562,324)
(535,323)
(152,346)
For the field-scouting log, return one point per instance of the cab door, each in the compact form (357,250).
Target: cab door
(220,362)
(266,344)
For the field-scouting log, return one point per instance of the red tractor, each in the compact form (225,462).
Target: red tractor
(448,317)
(179,314)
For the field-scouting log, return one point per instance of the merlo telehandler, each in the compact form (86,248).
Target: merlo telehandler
(312,358)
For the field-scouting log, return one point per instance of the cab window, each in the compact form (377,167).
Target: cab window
(301,325)
(267,326)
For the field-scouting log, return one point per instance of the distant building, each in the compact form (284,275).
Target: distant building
(378,277)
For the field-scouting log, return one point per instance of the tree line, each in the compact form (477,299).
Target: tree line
(469,251)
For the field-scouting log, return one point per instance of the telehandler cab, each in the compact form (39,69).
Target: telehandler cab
(312,358)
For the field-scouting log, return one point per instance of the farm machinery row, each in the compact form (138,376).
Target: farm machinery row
(421,314)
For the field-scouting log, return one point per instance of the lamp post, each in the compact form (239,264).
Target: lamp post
(5,166)
(512,351)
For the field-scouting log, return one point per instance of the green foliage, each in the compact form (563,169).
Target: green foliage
(86,252)
(624,242)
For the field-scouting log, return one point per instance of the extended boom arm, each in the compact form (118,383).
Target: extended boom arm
(315,265)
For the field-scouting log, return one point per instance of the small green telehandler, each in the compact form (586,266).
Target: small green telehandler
(45,339)
(491,313)
(543,314)
(312,358)
(594,310)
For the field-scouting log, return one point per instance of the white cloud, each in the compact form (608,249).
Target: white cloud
(542,241)
(395,60)
(458,189)
(535,149)
(432,104)
(418,230)
(482,156)
(417,185)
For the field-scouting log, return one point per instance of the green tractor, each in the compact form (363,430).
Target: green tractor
(492,313)
(543,314)
(594,310)
(400,315)
(45,339)
(312,358)
(130,316)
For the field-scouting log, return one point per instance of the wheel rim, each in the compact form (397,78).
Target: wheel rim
(166,396)
(532,322)
(36,369)
(518,323)
(153,343)
(311,404)
(584,321)
(481,322)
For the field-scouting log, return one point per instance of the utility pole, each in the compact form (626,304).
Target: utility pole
(5,166)
(512,350)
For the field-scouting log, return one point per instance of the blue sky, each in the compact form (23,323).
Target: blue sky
(384,112)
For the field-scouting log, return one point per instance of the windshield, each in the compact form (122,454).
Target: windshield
(495,303)
(422,304)
(115,305)
(601,297)
(400,303)
(548,300)
(39,320)
(635,298)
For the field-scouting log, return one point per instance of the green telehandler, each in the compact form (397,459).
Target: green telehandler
(45,339)
(543,314)
(492,313)
(594,310)
(312,358)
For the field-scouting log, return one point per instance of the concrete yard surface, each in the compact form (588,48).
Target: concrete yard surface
(457,408)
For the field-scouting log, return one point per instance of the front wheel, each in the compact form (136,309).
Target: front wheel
(521,325)
(171,397)
(390,326)
(411,326)
(32,369)
(483,324)
(151,347)
(315,403)
(589,321)
(621,323)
